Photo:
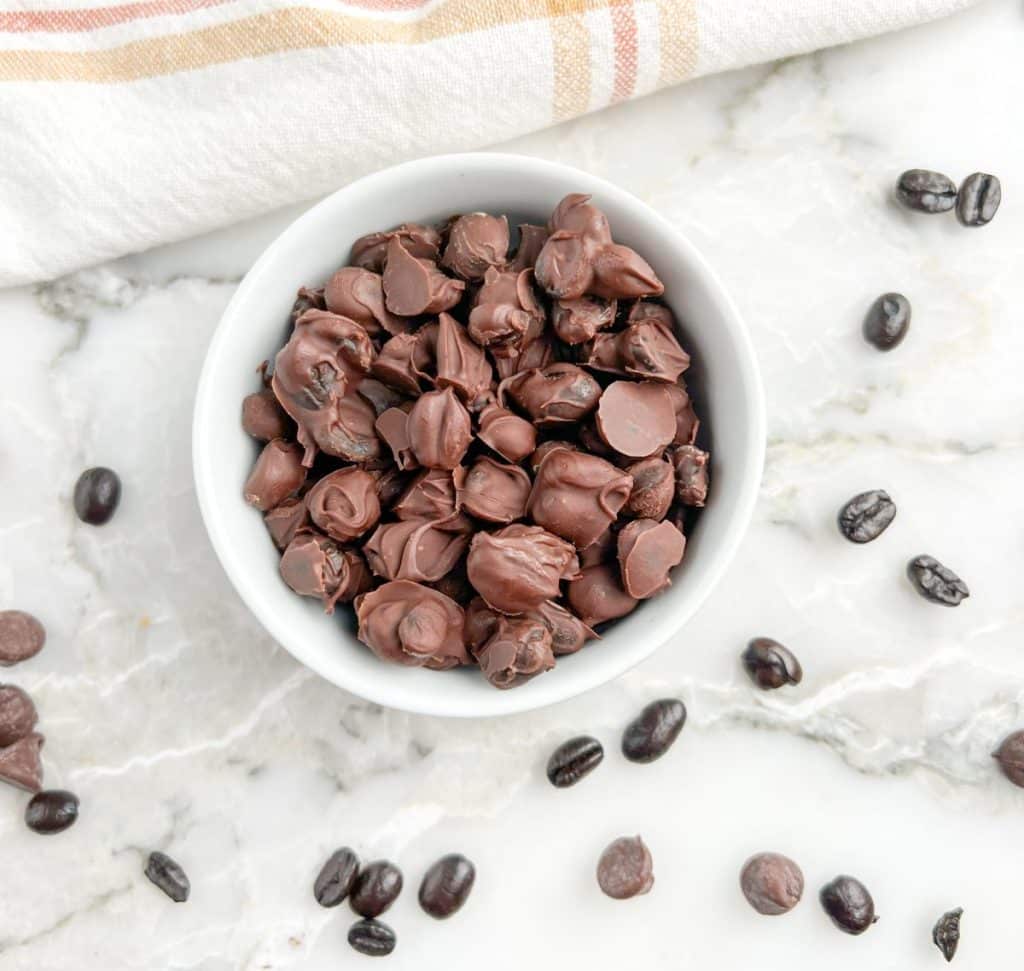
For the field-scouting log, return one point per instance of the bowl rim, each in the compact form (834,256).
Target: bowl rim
(521,700)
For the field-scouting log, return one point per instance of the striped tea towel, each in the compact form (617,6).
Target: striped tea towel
(139,123)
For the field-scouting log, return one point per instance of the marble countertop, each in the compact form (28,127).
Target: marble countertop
(184,728)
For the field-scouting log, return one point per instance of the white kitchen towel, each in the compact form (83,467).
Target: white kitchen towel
(140,123)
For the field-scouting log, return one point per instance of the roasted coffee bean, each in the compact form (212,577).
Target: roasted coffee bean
(97,493)
(1010,756)
(866,516)
(376,888)
(447,885)
(772,883)
(651,734)
(936,582)
(21,637)
(573,760)
(625,868)
(926,191)
(372,938)
(166,874)
(771,664)
(887,321)
(336,877)
(848,904)
(978,199)
(946,932)
(51,811)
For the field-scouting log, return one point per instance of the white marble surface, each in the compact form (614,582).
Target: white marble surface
(183,728)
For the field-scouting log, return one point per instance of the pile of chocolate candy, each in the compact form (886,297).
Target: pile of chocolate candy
(488,453)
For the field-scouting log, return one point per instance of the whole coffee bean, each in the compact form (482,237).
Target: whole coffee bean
(336,877)
(372,938)
(97,493)
(376,888)
(1010,756)
(51,811)
(936,582)
(887,321)
(770,664)
(866,516)
(17,714)
(447,885)
(573,760)
(926,191)
(849,904)
(21,637)
(978,199)
(166,874)
(772,883)
(946,933)
(625,869)
(651,734)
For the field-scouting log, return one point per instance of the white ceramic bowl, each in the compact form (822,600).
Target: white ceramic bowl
(724,380)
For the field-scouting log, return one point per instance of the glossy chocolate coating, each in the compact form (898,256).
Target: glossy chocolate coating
(344,504)
(277,474)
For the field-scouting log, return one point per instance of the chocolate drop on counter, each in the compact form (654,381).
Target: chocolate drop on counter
(772,883)
(651,734)
(447,885)
(625,869)
(21,637)
(573,760)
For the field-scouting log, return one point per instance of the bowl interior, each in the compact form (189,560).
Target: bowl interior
(723,380)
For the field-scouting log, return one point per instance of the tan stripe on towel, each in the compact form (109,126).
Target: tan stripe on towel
(677,34)
(570,43)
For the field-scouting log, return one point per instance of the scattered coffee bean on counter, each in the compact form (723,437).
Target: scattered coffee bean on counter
(18,714)
(946,933)
(770,664)
(336,878)
(447,885)
(376,888)
(651,734)
(772,883)
(21,764)
(625,869)
(978,199)
(51,811)
(936,582)
(165,873)
(495,451)
(21,637)
(926,191)
(866,516)
(97,494)
(848,904)
(372,938)
(573,760)
(888,321)
(1010,756)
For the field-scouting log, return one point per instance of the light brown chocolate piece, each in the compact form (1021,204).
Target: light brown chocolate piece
(506,313)
(17,714)
(416,286)
(687,422)
(431,495)
(577,496)
(576,214)
(512,437)
(648,550)
(461,363)
(439,430)
(568,632)
(21,637)
(537,352)
(531,242)
(554,395)
(541,451)
(359,295)
(394,365)
(636,418)
(21,764)
(344,504)
(263,417)
(691,466)
(393,428)
(646,349)
(408,623)
(654,488)
(414,549)
(518,649)
(277,474)
(621,273)
(597,595)
(577,321)
(285,520)
(564,267)
(476,242)
(494,491)
(519,567)
(370,251)
(315,566)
